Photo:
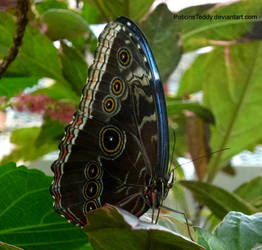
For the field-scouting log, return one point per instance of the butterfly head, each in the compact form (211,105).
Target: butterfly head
(156,192)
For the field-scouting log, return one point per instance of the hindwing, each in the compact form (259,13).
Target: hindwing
(113,147)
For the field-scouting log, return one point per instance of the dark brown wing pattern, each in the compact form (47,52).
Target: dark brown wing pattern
(110,150)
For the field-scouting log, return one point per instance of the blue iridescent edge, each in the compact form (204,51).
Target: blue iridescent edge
(159,93)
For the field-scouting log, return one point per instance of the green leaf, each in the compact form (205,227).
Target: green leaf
(45,5)
(111,228)
(135,9)
(7,29)
(27,217)
(10,86)
(193,79)
(26,148)
(60,91)
(209,240)
(241,231)
(176,223)
(202,32)
(4,246)
(164,39)
(62,23)
(179,142)
(75,68)
(37,56)
(232,90)
(178,107)
(90,13)
(86,247)
(251,191)
(218,200)
(51,133)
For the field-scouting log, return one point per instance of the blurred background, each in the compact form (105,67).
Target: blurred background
(212,75)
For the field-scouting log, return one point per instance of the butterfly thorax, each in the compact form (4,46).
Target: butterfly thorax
(157,190)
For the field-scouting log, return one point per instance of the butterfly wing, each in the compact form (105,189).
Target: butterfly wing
(117,142)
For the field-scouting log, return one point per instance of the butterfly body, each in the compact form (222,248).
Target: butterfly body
(116,148)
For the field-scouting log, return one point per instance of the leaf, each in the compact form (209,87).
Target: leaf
(111,228)
(85,43)
(251,191)
(229,169)
(209,240)
(50,132)
(90,13)
(193,79)
(10,86)
(178,107)
(200,32)
(7,30)
(75,68)
(4,246)
(175,222)
(86,247)
(135,9)
(232,90)
(26,148)
(218,200)
(37,56)
(45,5)
(197,134)
(241,231)
(164,39)
(27,218)
(59,91)
(179,144)
(63,23)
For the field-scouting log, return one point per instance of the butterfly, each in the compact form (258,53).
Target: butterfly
(116,149)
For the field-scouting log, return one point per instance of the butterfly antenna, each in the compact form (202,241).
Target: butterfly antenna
(180,212)
(202,156)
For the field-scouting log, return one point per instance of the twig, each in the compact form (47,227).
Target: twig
(22,20)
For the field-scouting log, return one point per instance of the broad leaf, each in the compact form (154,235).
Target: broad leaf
(75,68)
(193,79)
(90,13)
(4,246)
(164,38)
(59,91)
(50,132)
(241,231)
(201,32)
(135,9)
(111,228)
(209,240)
(43,6)
(11,86)
(27,217)
(26,148)
(197,134)
(251,191)
(218,200)
(37,56)
(232,90)
(62,23)
(179,107)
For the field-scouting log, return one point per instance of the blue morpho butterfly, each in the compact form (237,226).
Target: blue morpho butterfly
(116,149)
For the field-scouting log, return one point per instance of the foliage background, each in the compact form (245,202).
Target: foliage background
(228,114)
